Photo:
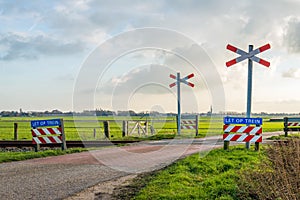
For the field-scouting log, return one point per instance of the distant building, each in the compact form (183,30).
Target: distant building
(209,113)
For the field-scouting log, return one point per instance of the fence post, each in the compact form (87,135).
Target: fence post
(197,125)
(37,147)
(146,127)
(15,131)
(94,133)
(63,135)
(257,143)
(285,123)
(151,125)
(127,128)
(124,129)
(226,144)
(106,128)
(152,129)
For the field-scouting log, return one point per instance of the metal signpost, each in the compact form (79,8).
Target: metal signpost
(177,82)
(251,56)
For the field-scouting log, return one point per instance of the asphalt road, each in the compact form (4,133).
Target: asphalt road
(61,176)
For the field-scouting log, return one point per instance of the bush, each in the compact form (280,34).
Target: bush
(277,177)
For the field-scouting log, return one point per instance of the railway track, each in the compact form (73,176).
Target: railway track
(75,143)
(70,144)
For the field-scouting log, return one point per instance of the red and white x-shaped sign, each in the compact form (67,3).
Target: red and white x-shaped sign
(183,80)
(251,55)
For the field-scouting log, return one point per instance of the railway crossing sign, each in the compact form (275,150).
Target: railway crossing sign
(251,56)
(45,132)
(183,80)
(177,82)
(252,133)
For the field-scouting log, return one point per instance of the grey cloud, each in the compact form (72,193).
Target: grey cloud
(146,82)
(155,79)
(291,38)
(190,16)
(11,7)
(108,16)
(20,10)
(18,46)
(148,77)
(290,105)
(291,73)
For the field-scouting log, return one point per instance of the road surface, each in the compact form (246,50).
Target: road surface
(59,177)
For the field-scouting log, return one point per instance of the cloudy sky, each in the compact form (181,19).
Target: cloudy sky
(52,54)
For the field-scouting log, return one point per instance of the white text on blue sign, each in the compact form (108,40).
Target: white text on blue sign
(240,120)
(42,123)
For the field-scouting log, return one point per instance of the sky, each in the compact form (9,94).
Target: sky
(118,55)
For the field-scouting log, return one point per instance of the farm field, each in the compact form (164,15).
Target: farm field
(83,128)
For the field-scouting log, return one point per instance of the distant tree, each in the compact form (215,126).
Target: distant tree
(104,112)
(132,113)
(56,112)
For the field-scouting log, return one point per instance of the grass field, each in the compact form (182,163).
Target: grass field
(82,128)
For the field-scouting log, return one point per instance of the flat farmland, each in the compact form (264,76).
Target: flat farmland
(91,128)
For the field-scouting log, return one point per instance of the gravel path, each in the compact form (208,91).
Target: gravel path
(62,176)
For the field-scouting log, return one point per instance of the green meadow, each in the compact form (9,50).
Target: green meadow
(83,128)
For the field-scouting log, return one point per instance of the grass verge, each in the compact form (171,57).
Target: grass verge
(282,137)
(273,173)
(18,156)
(211,177)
